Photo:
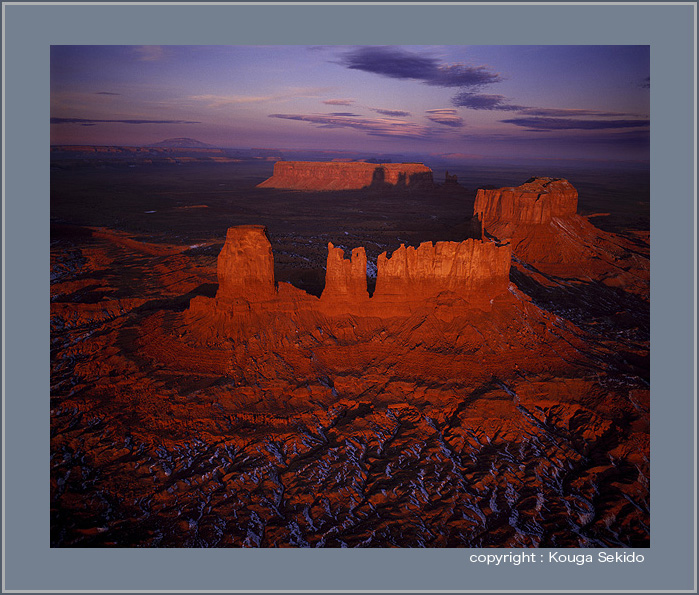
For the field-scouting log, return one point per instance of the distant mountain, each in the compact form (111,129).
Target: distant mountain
(181,143)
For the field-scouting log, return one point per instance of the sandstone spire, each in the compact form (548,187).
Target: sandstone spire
(345,278)
(245,266)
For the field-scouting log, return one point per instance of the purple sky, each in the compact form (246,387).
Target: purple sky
(492,101)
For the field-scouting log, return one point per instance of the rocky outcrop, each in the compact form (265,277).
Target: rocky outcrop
(464,275)
(467,269)
(537,201)
(539,219)
(451,180)
(245,266)
(268,417)
(318,176)
(345,279)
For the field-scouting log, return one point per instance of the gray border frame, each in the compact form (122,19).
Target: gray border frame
(28,31)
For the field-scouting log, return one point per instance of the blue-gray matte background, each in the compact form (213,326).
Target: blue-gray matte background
(29,31)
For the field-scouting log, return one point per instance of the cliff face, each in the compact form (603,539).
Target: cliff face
(311,175)
(345,279)
(464,268)
(466,274)
(537,201)
(245,266)
(540,221)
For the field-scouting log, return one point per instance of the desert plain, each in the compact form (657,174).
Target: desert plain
(193,405)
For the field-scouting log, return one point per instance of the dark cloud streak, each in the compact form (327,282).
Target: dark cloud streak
(570,113)
(484,102)
(390,112)
(372,126)
(397,63)
(479,101)
(539,124)
(446,117)
(92,122)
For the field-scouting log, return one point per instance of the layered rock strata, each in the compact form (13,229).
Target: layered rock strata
(535,202)
(318,176)
(245,265)
(539,219)
(345,278)
(471,269)
(467,275)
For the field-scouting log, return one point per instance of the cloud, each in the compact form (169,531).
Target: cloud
(484,102)
(106,93)
(645,84)
(224,100)
(632,140)
(149,53)
(397,63)
(565,113)
(338,101)
(92,122)
(447,117)
(372,126)
(459,75)
(344,114)
(216,101)
(479,101)
(390,112)
(571,124)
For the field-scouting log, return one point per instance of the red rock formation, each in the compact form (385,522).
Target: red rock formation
(468,275)
(266,417)
(537,201)
(311,175)
(345,279)
(451,180)
(468,269)
(245,266)
(539,220)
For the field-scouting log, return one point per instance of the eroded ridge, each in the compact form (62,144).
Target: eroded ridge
(469,274)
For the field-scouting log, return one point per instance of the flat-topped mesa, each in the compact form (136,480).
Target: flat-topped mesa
(328,176)
(539,221)
(345,278)
(245,265)
(472,269)
(537,201)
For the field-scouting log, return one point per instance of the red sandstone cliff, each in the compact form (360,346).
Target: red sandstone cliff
(539,220)
(345,279)
(537,201)
(245,266)
(312,175)
(468,269)
(466,275)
